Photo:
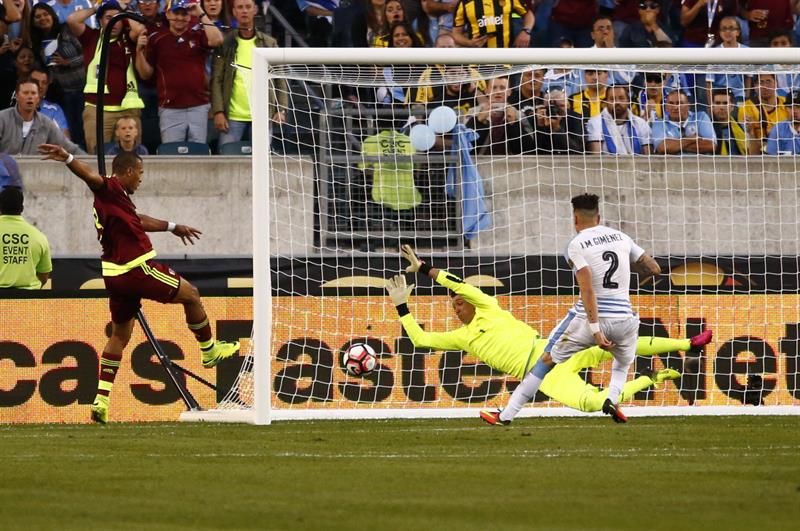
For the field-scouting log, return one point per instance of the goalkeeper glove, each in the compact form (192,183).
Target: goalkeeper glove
(414,262)
(398,289)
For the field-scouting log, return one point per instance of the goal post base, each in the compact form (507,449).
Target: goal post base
(243,416)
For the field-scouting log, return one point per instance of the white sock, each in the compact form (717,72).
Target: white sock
(523,394)
(619,375)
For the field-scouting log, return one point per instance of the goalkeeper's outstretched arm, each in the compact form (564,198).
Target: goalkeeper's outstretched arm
(399,293)
(471,294)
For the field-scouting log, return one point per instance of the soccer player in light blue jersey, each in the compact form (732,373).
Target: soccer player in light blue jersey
(602,259)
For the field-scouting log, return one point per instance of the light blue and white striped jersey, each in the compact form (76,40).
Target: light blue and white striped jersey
(609,254)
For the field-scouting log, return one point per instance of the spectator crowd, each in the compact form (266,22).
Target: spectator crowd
(181,73)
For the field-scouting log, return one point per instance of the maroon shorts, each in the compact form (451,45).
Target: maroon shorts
(150,280)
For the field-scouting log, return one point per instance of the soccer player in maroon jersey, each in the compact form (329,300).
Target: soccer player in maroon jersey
(129,271)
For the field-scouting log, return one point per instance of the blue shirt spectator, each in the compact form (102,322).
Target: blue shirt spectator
(65,8)
(682,130)
(55,113)
(9,172)
(784,139)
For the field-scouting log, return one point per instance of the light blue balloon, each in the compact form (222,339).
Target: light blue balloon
(422,137)
(442,119)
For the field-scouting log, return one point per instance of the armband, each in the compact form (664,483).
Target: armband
(171,226)
(424,268)
(69,159)
(594,327)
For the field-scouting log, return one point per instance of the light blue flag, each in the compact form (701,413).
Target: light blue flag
(476,216)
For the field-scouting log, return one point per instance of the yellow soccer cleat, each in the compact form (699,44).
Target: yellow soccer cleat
(100,409)
(664,375)
(220,351)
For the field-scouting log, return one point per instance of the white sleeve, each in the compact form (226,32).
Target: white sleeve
(636,252)
(594,129)
(645,134)
(575,256)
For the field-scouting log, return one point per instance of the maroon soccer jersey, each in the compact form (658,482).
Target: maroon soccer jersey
(120,55)
(119,228)
(180,67)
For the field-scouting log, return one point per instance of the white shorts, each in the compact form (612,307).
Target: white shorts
(573,335)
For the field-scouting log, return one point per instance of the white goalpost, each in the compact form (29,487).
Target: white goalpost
(364,164)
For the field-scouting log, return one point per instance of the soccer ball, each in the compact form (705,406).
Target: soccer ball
(359,359)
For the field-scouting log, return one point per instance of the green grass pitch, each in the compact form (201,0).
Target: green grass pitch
(671,473)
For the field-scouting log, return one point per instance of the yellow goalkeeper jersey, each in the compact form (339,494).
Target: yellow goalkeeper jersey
(495,336)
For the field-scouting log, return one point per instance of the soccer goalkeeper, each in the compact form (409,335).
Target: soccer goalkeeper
(507,344)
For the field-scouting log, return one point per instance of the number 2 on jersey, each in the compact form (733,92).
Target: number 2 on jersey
(607,282)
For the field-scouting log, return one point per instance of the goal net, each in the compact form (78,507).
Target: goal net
(471,157)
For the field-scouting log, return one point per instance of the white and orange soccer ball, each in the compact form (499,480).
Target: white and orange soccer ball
(359,359)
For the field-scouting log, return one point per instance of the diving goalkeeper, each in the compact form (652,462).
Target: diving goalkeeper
(507,344)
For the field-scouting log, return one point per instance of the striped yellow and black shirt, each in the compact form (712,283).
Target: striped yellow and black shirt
(489,17)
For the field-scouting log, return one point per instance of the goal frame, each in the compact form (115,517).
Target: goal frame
(263,58)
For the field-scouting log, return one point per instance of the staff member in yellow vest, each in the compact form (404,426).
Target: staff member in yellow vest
(24,251)
(122,91)
(230,78)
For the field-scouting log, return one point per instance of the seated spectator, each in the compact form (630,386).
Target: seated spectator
(153,16)
(587,102)
(23,128)
(440,17)
(219,14)
(9,172)
(682,130)
(759,114)
(787,82)
(698,32)
(375,20)
(401,35)
(455,86)
(731,136)
(616,130)
(765,17)
(318,15)
(492,29)
(649,30)
(529,92)
(572,20)
(738,84)
(25,261)
(550,129)
(125,133)
(177,59)
(496,122)
(24,61)
(603,37)
(122,97)
(48,108)
(64,8)
(230,101)
(784,139)
(394,13)
(65,66)
(628,12)
(649,102)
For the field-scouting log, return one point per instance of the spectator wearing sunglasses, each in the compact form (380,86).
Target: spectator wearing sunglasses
(649,30)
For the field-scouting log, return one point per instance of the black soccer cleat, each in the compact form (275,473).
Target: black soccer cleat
(614,411)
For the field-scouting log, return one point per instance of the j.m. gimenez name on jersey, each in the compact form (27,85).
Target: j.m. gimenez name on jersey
(609,254)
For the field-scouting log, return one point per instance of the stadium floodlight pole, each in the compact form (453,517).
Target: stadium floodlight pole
(169,365)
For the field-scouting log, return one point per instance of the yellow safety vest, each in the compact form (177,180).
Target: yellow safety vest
(131,100)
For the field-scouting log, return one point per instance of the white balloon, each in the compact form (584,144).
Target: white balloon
(442,119)
(422,137)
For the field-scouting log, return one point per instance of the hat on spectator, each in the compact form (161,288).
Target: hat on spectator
(179,4)
(793,98)
(105,5)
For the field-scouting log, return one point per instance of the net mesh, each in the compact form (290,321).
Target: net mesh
(696,164)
